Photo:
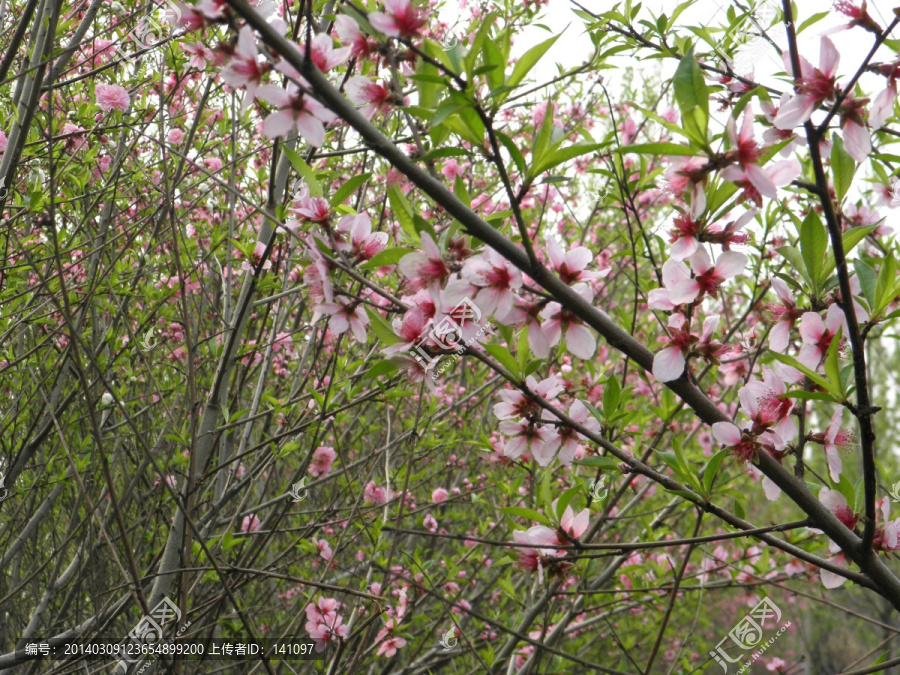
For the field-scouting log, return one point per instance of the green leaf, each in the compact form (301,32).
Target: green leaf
(809,395)
(526,514)
(692,96)
(813,247)
(815,377)
(403,212)
(349,188)
(557,157)
(459,189)
(602,463)
(867,280)
(565,499)
(659,149)
(380,368)
(528,60)
(513,150)
(832,364)
(389,256)
(382,328)
(712,468)
(795,258)
(842,167)
(522,350)
(506,359)
(815,18)
(886,287)
(315,190)
(611,393)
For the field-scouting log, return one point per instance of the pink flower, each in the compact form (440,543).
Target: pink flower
(687,174)
(324,55)
(542,543)
(452,170)
(778,174)
(558,321)
(669,362)
(830,579)
(785,315)
(314,209)
(858,15)
(707,278)
(199,54)
(375,494)
(857,141)
(814,85)
(834,438)
(489,280)
(518,404)
(250,523)
(764,403)
(574,525)
(674,272)
(817,336)
(883,105)
(349,34)
(258,251)
(295,110)
(834,501)
(684,237)
(569,439)
(528,437)
(346,314)
(322,460)
(112,96)
(244,69)
(747,154)
(364,245)
(372,96)
(390,646)
(570,266)
(439,495)
(742,445)
(401,19)
(324,547)
(425,270)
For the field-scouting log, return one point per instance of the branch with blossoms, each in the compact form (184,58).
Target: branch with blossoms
(753,180)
